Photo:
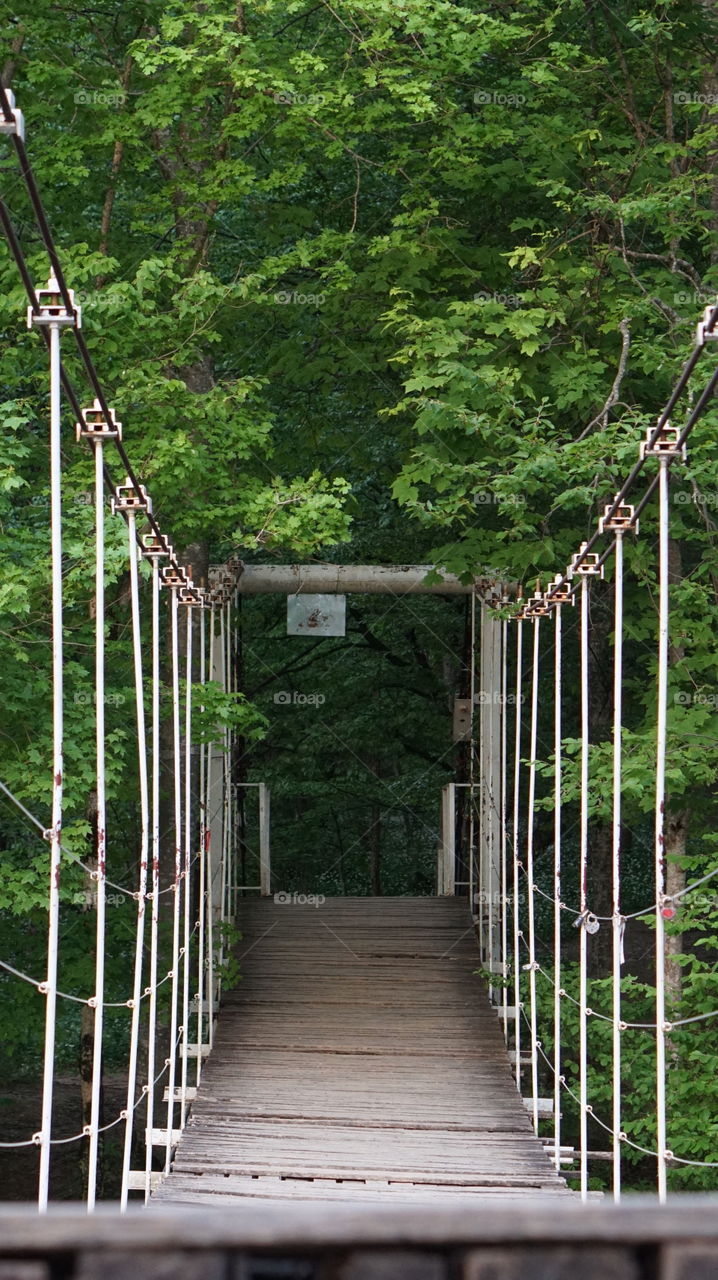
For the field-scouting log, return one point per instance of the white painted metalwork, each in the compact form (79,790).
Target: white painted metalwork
(144,853)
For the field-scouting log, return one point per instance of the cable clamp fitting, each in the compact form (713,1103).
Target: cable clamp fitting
(17,124)
(174,576)
(95,426)
(619,517)
(50,307)
(585,564)
(560,592)
(663,443)
(537,605)
(704,333)
(128,498)
(156,546)
(191,596)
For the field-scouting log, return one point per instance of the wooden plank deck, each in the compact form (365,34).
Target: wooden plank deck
(358,1059)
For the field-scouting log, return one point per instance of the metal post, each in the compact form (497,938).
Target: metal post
(530,876)
(154,923)
(50,985)
(504,884)
(265,868)
(583,899)
(515,852)
(187,865)
(100,869)
(203,829)
(177,887)
(660,819)
(617,921)
(558,638)
(144,840)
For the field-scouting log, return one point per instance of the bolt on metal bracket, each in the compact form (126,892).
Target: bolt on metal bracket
(622,519)
(95,426)
(50,307)
(585,564)
(127,498)
(665,444)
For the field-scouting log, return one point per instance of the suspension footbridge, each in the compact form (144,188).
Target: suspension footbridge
(361,1056)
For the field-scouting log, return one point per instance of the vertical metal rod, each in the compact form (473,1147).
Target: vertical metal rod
(213,994)
(225,891)
(530,877)
(100,867)
(504,842)
(558,640)
(177,887)
(472,757)
(265,868)
(583,898)
(154,923)
(660,820)
(490,808)
(616,861)
(515,852)
(50,985)
(481,843)
(187,864)
(202,959)
(144,844)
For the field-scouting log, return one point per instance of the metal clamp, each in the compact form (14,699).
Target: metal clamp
(174,576)
(585,564)
(560,592)
(191,595)
(50,307)
(619,516)
(128,498)
(155,545)
(17,124)
(665,444)
(95,426)
(703,333)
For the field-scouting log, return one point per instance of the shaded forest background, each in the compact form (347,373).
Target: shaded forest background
(387,282)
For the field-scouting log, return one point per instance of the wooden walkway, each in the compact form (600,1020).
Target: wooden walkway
(358,1059)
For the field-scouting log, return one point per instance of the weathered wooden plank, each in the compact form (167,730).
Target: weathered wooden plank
(358,1058)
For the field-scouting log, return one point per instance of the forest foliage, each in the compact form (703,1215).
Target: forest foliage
(383,281)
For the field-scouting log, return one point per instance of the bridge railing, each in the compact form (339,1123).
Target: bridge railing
(536,753)
(187,855)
